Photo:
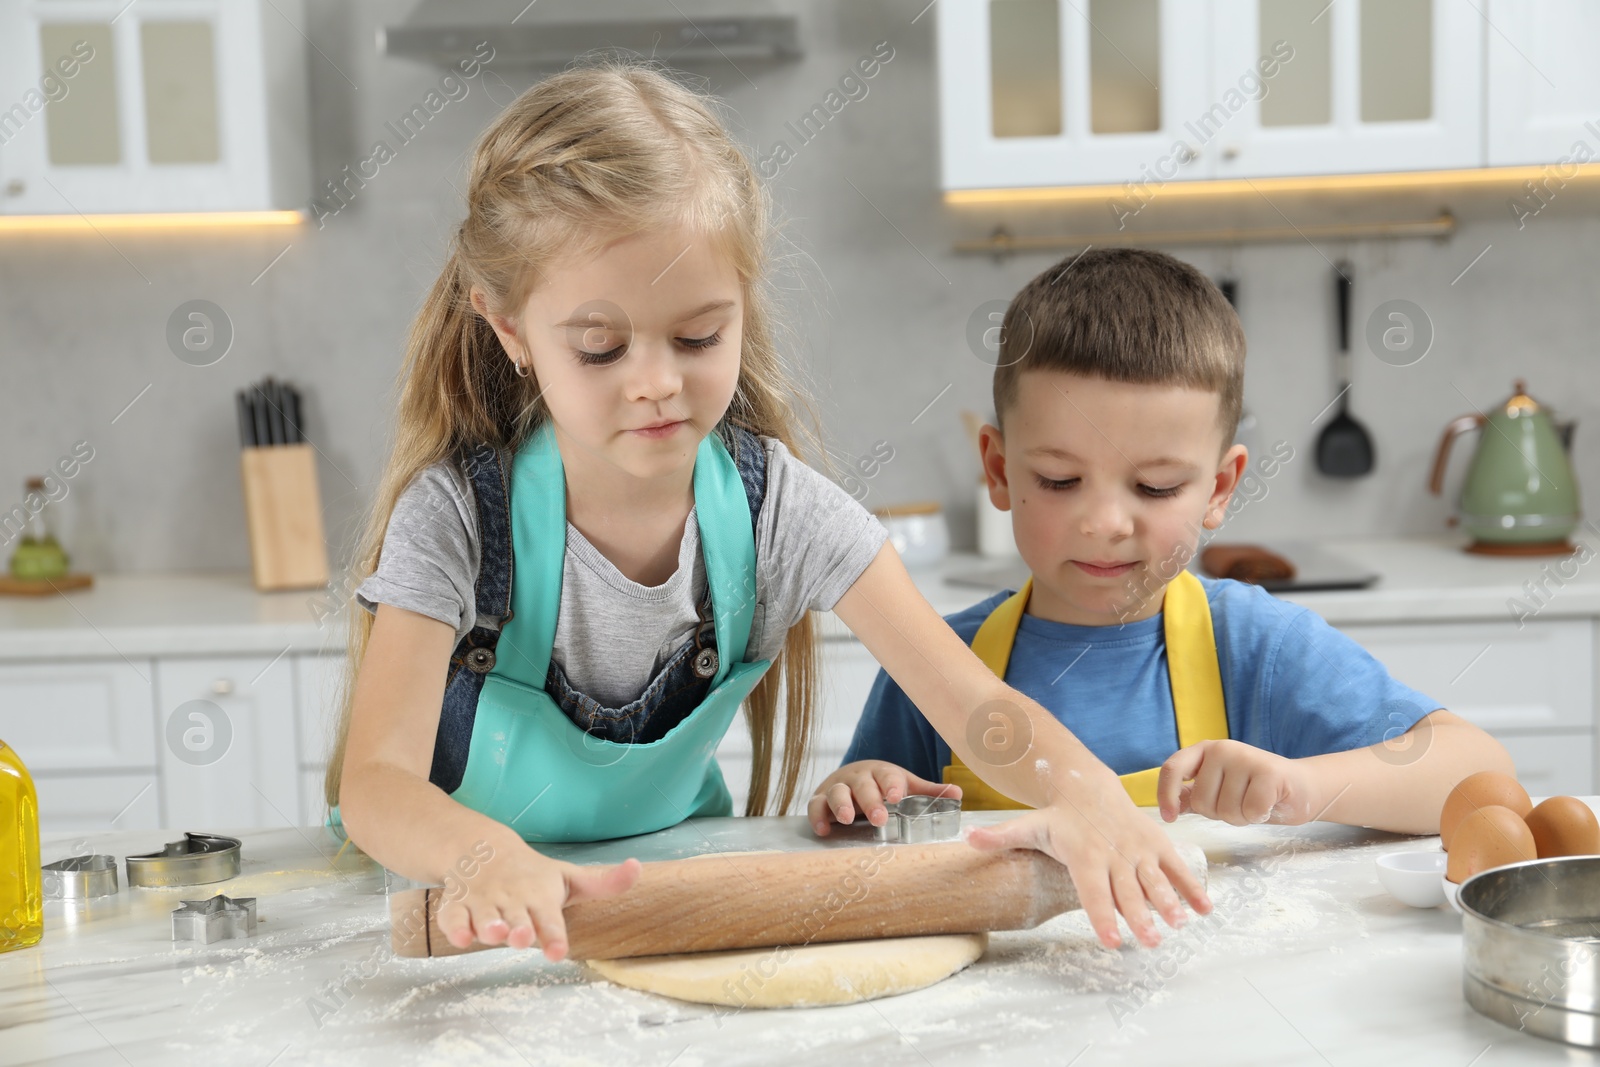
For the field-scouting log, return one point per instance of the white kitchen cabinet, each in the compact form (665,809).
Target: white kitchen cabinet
(228,751)
(1372,85)
(1501,678)
(1046,92)
(1558,764)
(317,679)
(1532,688)
(80,716)
(1061,92)
(164,105)
(86,730)
(313,805)
(95,803)
(1543,82)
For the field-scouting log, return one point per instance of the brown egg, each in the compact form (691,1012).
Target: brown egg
(1492,836)
(1564,826)
(1478,791)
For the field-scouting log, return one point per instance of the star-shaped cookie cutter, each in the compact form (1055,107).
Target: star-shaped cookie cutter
(211,920)
(917,819)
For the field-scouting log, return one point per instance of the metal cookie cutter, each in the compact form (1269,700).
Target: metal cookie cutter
(211,920)
(917,819)
(197,859)
(80,878)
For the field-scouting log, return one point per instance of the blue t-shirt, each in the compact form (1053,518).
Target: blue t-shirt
(1293,685)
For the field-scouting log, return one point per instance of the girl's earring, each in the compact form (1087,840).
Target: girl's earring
(522,368)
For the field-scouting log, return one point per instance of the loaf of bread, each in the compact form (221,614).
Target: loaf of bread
(1245,563)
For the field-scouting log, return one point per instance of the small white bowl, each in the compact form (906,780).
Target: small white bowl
(1414,878)
(1452,893)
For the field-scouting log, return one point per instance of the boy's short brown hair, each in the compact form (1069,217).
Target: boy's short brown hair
(1126,315)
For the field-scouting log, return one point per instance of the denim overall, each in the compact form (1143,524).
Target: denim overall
(516,741)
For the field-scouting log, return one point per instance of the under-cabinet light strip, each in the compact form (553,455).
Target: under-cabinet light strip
(1556,173)
(174,220)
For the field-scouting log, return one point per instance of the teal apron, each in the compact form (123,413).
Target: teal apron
(529,766)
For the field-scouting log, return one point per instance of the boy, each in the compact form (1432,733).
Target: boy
(1117,394)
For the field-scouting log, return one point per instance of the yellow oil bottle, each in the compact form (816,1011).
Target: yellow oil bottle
(21,894)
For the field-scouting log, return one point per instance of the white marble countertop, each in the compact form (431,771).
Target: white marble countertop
(221,613)
(1419,580)
(1306,960)
(196,613)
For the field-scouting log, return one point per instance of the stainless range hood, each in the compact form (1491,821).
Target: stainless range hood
(551,33)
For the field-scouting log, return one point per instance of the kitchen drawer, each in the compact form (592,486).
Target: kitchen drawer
(96,803)
(317,679)
(1553,764)
(228,754)
(79,715)
(1491,673)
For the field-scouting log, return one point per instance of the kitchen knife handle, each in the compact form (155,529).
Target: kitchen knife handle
(274,412)
(247,427)
(258,417)
(292,410)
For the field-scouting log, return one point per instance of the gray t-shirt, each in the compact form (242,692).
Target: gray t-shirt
(813,540)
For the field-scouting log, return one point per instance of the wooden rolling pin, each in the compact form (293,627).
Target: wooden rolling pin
(709,903)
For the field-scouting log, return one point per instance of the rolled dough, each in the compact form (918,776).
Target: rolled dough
(797,976)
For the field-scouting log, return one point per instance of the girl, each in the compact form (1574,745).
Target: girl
(593,540)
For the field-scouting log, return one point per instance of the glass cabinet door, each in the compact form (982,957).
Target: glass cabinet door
(179,91)
(1036,93)
(1354,86)
(1025,68)
(1049,92)
(143,108)
(82,124)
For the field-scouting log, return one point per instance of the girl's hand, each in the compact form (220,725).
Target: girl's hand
(1236,783)
(515,897)
(1119,858)
(867,785)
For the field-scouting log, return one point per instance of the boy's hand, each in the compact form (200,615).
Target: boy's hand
(1119,858)
(1236,783)
(516,897)
(867,785)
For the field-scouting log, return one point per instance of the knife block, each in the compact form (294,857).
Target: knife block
(283,511)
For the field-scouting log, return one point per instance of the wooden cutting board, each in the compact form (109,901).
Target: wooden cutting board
(11,585)
(712,903)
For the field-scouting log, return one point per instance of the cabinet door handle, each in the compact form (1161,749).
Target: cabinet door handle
(222,687)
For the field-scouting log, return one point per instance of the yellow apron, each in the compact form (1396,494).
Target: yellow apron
(1191,663)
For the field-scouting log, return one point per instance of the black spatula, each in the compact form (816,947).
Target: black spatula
(1344,448)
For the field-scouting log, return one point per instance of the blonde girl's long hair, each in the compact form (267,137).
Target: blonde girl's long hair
(587,155)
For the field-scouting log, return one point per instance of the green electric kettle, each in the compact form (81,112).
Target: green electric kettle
(1520,496)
